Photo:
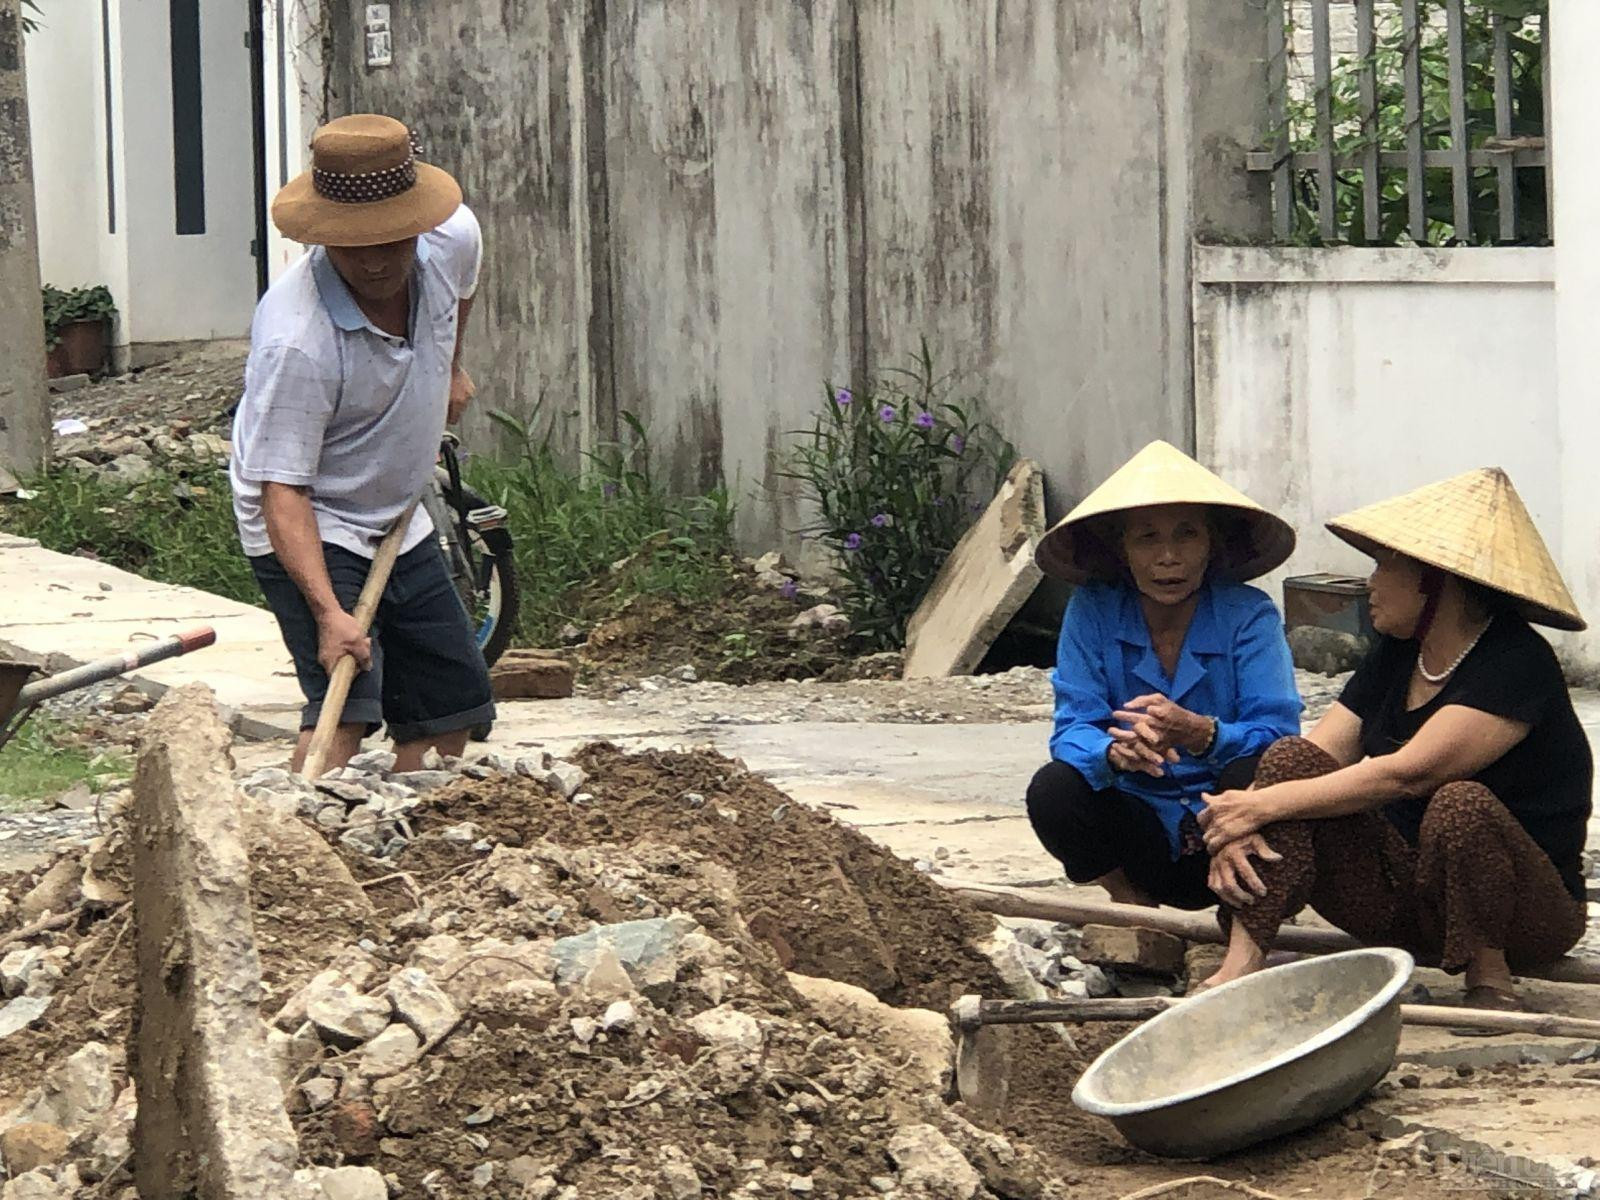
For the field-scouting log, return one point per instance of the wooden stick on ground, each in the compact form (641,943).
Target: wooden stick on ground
(1200,926)
(971,1013)
(42,925)
(1171,1186)
(344,671)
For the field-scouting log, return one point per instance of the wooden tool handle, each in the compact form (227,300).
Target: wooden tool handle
(344,671)
(969,1015)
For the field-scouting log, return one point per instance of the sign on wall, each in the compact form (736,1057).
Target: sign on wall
(380,43)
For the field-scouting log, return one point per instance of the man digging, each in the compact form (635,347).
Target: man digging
(354,370)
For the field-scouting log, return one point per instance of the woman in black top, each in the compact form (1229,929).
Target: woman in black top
(1441,805)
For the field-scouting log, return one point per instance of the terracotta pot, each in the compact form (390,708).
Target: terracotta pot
(81,350)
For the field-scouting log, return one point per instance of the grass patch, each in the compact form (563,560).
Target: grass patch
(39,763)
(175,527)
(570,527)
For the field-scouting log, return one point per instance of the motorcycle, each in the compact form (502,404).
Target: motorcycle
(477,551)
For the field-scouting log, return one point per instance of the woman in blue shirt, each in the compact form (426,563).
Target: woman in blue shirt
(1172,676)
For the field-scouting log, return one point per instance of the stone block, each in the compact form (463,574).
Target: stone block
(931,1166)
(523,676)
(344,1183)
(648,950)
(224,1135)
(345,1018)
(31,1145)
(391,1052)
(726,1028)
(1148,951)
(420,1003)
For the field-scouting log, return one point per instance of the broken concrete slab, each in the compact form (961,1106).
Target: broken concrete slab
(210,1120)
(421,1004)
(982,585)
(920,1037)
(1539,1136)
(21,1012)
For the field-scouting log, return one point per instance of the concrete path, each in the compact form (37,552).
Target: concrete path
(61,611)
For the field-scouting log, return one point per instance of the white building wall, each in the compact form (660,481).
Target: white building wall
(1575,26)
(168,287)
(189,286)
(68,131)
(1329,379)
(294,97)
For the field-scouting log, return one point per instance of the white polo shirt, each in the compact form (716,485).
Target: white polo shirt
(334,404)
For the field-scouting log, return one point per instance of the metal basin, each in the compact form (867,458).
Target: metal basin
(1259,1057)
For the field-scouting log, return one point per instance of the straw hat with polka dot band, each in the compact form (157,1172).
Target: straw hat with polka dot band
(366,187)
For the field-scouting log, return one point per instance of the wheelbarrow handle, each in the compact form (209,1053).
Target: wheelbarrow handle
(118,664)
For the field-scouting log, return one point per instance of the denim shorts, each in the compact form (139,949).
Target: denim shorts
(428,676)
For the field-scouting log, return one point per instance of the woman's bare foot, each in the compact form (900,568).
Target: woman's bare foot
(1489,981)
(1243,958)
(1124,891)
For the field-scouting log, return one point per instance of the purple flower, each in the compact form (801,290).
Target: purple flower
(958,443)
(886,414)
(789,590)
(853,542)
(882,519)
(609,491)
(924,420)
(843,397)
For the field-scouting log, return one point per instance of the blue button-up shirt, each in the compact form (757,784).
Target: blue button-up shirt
(1235,666)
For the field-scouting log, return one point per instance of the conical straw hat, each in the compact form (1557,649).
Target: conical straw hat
(1474,526)
(1163,474)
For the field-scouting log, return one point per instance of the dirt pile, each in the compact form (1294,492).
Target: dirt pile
(755,624)
(639,976)
(565,996)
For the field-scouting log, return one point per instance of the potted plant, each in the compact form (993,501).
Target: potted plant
(77,326)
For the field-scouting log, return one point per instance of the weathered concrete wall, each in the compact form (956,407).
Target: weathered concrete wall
(775,195)
(1329,379)
(1577,299)
(1015,213)
(24,410)
(730,268)
(496,92)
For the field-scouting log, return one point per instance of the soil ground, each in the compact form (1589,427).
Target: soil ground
(790,888)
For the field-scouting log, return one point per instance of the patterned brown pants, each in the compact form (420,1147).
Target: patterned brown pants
(1475,880)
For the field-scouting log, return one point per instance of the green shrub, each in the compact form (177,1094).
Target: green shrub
(895,473)
(175,527)
(571,525)
(62,308)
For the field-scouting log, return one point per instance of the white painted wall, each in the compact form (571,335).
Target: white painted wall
(1329,379)
(168,287)
(199,285)
(294,105)
(68,130)
(1576,122)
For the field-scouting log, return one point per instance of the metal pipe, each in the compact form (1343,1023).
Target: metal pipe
(110,668)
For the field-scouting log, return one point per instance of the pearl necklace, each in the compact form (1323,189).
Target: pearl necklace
(1460,658)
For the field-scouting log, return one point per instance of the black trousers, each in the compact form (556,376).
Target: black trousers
(1094,833)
